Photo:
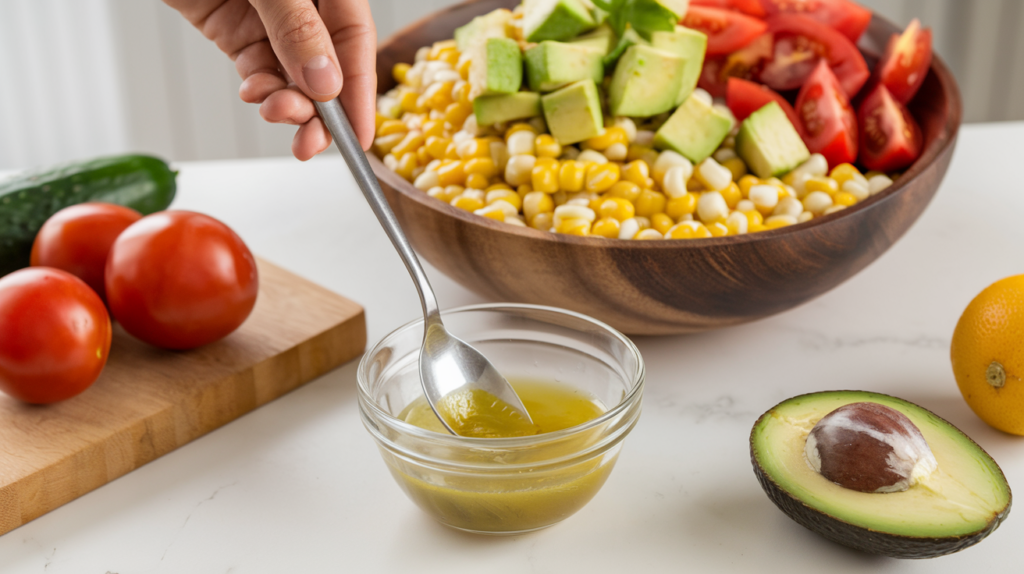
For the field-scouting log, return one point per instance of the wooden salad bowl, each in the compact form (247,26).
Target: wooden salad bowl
(668,286)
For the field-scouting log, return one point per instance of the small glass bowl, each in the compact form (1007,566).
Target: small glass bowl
(506,485)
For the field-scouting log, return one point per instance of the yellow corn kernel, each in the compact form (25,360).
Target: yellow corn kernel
(384,144)
(843,173)
(543,221)
(732,195)
(506,195)
(610,137)
(456,114)
(399,70)
(433,128)
(463,68)
(536,202)
(662,222)
(412,142)
(746,182)
(437,146)
(518,128)
(423,156)
(736,166)
(476,147)
(754,218)
(718,229)
(574,226)
(650,202)
(615,208)
(477,181)
(826,184)
(450,192)
(606,227)
(453,173)
(756,228)
(844,198)
(467,202)
(482,166)
(461,93)
(492,213)
(452,151)
(379,120)
(680,206)
(602,177)
(499,185)
(437,96)
(391,127)
(571,175)
(409,102)
(689,230)
(438,47)
(545,175)
(524,189)
(547,146)
(406,164)
(776,223)
(637,171)
(449,55)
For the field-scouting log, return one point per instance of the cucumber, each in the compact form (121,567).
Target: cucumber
(143,183)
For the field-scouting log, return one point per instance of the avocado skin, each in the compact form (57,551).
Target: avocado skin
(863,539)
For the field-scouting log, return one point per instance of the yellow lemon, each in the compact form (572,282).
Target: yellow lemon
(988,355)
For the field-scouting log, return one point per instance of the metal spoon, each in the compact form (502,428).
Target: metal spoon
(447,363)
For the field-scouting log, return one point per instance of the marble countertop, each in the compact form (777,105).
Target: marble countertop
(298,485)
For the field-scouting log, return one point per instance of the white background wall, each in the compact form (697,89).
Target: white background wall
(80,78)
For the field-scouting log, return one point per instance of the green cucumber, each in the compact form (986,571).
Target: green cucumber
(143,183)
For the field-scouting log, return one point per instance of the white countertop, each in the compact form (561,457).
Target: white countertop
(298,485)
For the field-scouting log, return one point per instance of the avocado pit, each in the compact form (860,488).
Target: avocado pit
(869,447)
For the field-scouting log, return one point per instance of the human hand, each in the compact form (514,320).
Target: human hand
(290,52)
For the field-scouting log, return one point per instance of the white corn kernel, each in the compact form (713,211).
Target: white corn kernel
(461,136)
(477,194)
(789,206)
(834,209)
(433,165)
(521,143)
(816,165)
(714,174)
(878,183)
(667,160)
(745,205)
(629,228)
(390,161)
(800,183)
(389,106)
(856,189)
(470,126)
(536,202)
(499,154)
(724,154)
(589,196)
(462,149)
(421,55)
(505,206)
(786,219)
(765,196)
(805,217)
(628,125)
(737,222)
(817,202)
(591,155)
(519,170)
(578,201)
(649,234)
(643,222)
(563,212)
(675,180)
(644,137)
(616,152)
(485,211)
(704,96)
(712,206)
(447,76)
(426,180)
(437,192)
(517,221)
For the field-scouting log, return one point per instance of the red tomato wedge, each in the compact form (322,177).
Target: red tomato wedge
(744,98)
(845,17)
(745,64)
(748,7)
(905,63)
(800,42)
(727,31)
(890,138)
(829,122)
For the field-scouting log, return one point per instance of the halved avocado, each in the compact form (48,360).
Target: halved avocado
(961,503)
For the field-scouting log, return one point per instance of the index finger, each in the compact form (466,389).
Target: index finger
(350,25)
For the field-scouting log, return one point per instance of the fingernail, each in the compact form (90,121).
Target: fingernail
(321,75)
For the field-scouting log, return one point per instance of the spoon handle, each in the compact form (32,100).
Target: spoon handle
(348,144)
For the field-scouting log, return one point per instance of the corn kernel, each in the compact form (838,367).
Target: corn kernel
(547,146)
(537,202)
(410,143)
(519,169)
(637,151)
(606,227)
(545,175)
(843,173)
(648,235)
(577,226)
(711,207)
(384,144)
(689,230)
(399,70)
(834,209)
(679,206)
(666,160)
(391,127)
(789,206)
(481,166)
(467,202)
(437,146)
(754,218)
(542,221)
(423,156)
(379,120)
(662,222)
(718,229)
(456,113)
(452,151)
(616,208)
(777,221)
(453,173)
(737,223)
(499,185)
(449,55)
(524,189)
(732,195)
(844,198)
(636,171)
(410,102)
(713,175)
(438,47)
(491,212)
(736,166)
(602,177)
(626,190)
(612,135)
(746,182)
(817,202)
(521,126)
(461,92)
(765,198)
(821,183)
(477,181)
(650,202)
(427,180)
(406,164)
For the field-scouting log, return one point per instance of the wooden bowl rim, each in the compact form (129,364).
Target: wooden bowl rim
(933,150)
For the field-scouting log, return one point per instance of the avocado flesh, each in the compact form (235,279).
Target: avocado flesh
(963,501)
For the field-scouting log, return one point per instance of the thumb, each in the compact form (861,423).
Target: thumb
(302,45)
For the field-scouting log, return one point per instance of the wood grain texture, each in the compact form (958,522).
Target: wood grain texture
(672,286)
(149,402)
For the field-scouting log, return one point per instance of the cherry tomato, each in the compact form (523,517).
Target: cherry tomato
(55,335)
(744,98)
(77,239)
(829,122)
(748,7)
(727,31)
(180,280)
(745,64)
(890,138)
(845,17)
(799,43)
(906,61)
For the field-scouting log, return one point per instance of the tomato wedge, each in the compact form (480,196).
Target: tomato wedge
(727,31)
(906,60)
(745,64)
(829,122)
(845,17)
(891,140)
(744,98)
(748,7)
(800,42)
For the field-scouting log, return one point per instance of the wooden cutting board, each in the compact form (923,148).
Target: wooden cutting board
(149,402)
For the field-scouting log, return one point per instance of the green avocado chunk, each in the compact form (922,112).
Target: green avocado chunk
(769,143)
(490,110)
(490,25)
(602,38)
(678,7)
(694,130)
(551,65)
(555,19)
(496,68)
(573,113)
(955,506)
(689,45)
(646,82)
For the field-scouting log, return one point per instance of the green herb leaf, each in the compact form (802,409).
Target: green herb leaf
(645,16)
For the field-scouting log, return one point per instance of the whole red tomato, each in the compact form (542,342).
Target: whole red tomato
(55,335)
(180,280)
(77,239)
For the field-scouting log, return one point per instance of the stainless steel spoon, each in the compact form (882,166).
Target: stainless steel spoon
(447,364)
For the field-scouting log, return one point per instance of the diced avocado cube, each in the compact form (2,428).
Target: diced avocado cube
(646,82)
(551,65)
(689,45)
(555,19)
(629,39)
(496,68)
(490,110)
(678,7)
(602,38)
(694,130)
(769,143)
(573,113)
(490,25)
